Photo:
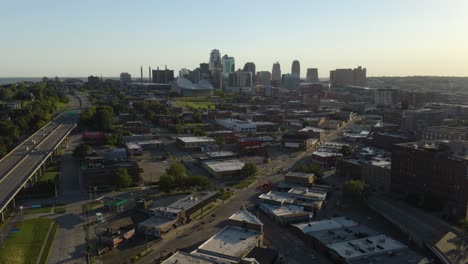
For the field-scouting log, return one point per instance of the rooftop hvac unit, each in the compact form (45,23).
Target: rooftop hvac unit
(347,252)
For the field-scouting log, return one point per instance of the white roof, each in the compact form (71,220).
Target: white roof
(195,139)
(308,193)
(215,154)
(277,196)
(284,210)
(131,145)
(231,241)
(186,258)
(299,174)
(333,223)
(313,129)
(224,165)
(365,247)
(246,216)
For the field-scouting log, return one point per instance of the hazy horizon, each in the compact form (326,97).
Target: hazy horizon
(394,39)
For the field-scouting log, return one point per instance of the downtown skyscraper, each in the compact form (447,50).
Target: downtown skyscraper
(276,72)
(296,68)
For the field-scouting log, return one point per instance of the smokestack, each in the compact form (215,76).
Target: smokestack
(165,73)
(141,74)
(149,74)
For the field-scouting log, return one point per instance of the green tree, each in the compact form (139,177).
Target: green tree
(464,224)
(249,169)
(123,178)
(81,151)
(315,169)
(346,150)
(104,117)
(355,189)
(178,129)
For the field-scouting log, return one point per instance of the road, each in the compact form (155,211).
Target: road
(189,236)
(32,155)
(70,244)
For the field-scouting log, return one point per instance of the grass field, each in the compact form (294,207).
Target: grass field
(25,246)
(50,241)
(40,210)
(194,102)
(49,176)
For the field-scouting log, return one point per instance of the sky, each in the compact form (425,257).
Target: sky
(107,37)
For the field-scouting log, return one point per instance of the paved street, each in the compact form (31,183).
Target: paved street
(70,244)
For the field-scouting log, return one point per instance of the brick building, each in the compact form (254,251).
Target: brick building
(433,173)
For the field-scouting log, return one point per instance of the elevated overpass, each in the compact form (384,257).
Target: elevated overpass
(22,166)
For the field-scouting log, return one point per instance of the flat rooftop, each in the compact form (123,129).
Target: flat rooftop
(231,241)
(299,175)
(218,154)
(185,258)
(191,200)
(400,256)
(332,223)
(343,234)
(246,216)
(131,145)
(224,165)
(366,247)
(283,211)
(156,221)
(195,139)
(277,196)
(306,193)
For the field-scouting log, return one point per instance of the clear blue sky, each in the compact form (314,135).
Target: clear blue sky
(106,37)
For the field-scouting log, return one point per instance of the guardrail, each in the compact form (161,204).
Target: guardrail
(33,170)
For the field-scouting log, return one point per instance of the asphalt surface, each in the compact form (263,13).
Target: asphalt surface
(70,244)
(30,160)
(17,167)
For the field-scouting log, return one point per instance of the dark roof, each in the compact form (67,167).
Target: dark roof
(263,255)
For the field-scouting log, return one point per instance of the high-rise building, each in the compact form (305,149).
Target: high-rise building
(250,67)
(125,78)
(228,65)
(359,75)
(204,69)
(215,61)
(276,72)
(347,77)
(184,73)
(163,76)
(385,97)
(312,75)
(264,78)
(195,76)
(290,81)
(296,68)
(433,174)
(94,80)
(240,78)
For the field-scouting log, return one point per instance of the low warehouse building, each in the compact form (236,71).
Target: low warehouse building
(224,168)
(196,143)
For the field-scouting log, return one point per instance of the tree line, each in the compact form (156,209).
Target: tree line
(37,105)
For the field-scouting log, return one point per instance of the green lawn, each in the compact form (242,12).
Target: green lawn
(40,210)
(195,102)
(25,246)
(49,176)
(226,195)
(60,209)
(50,241)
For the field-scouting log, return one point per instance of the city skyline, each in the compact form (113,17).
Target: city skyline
(107,38)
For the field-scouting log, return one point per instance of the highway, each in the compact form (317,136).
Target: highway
(18,166)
